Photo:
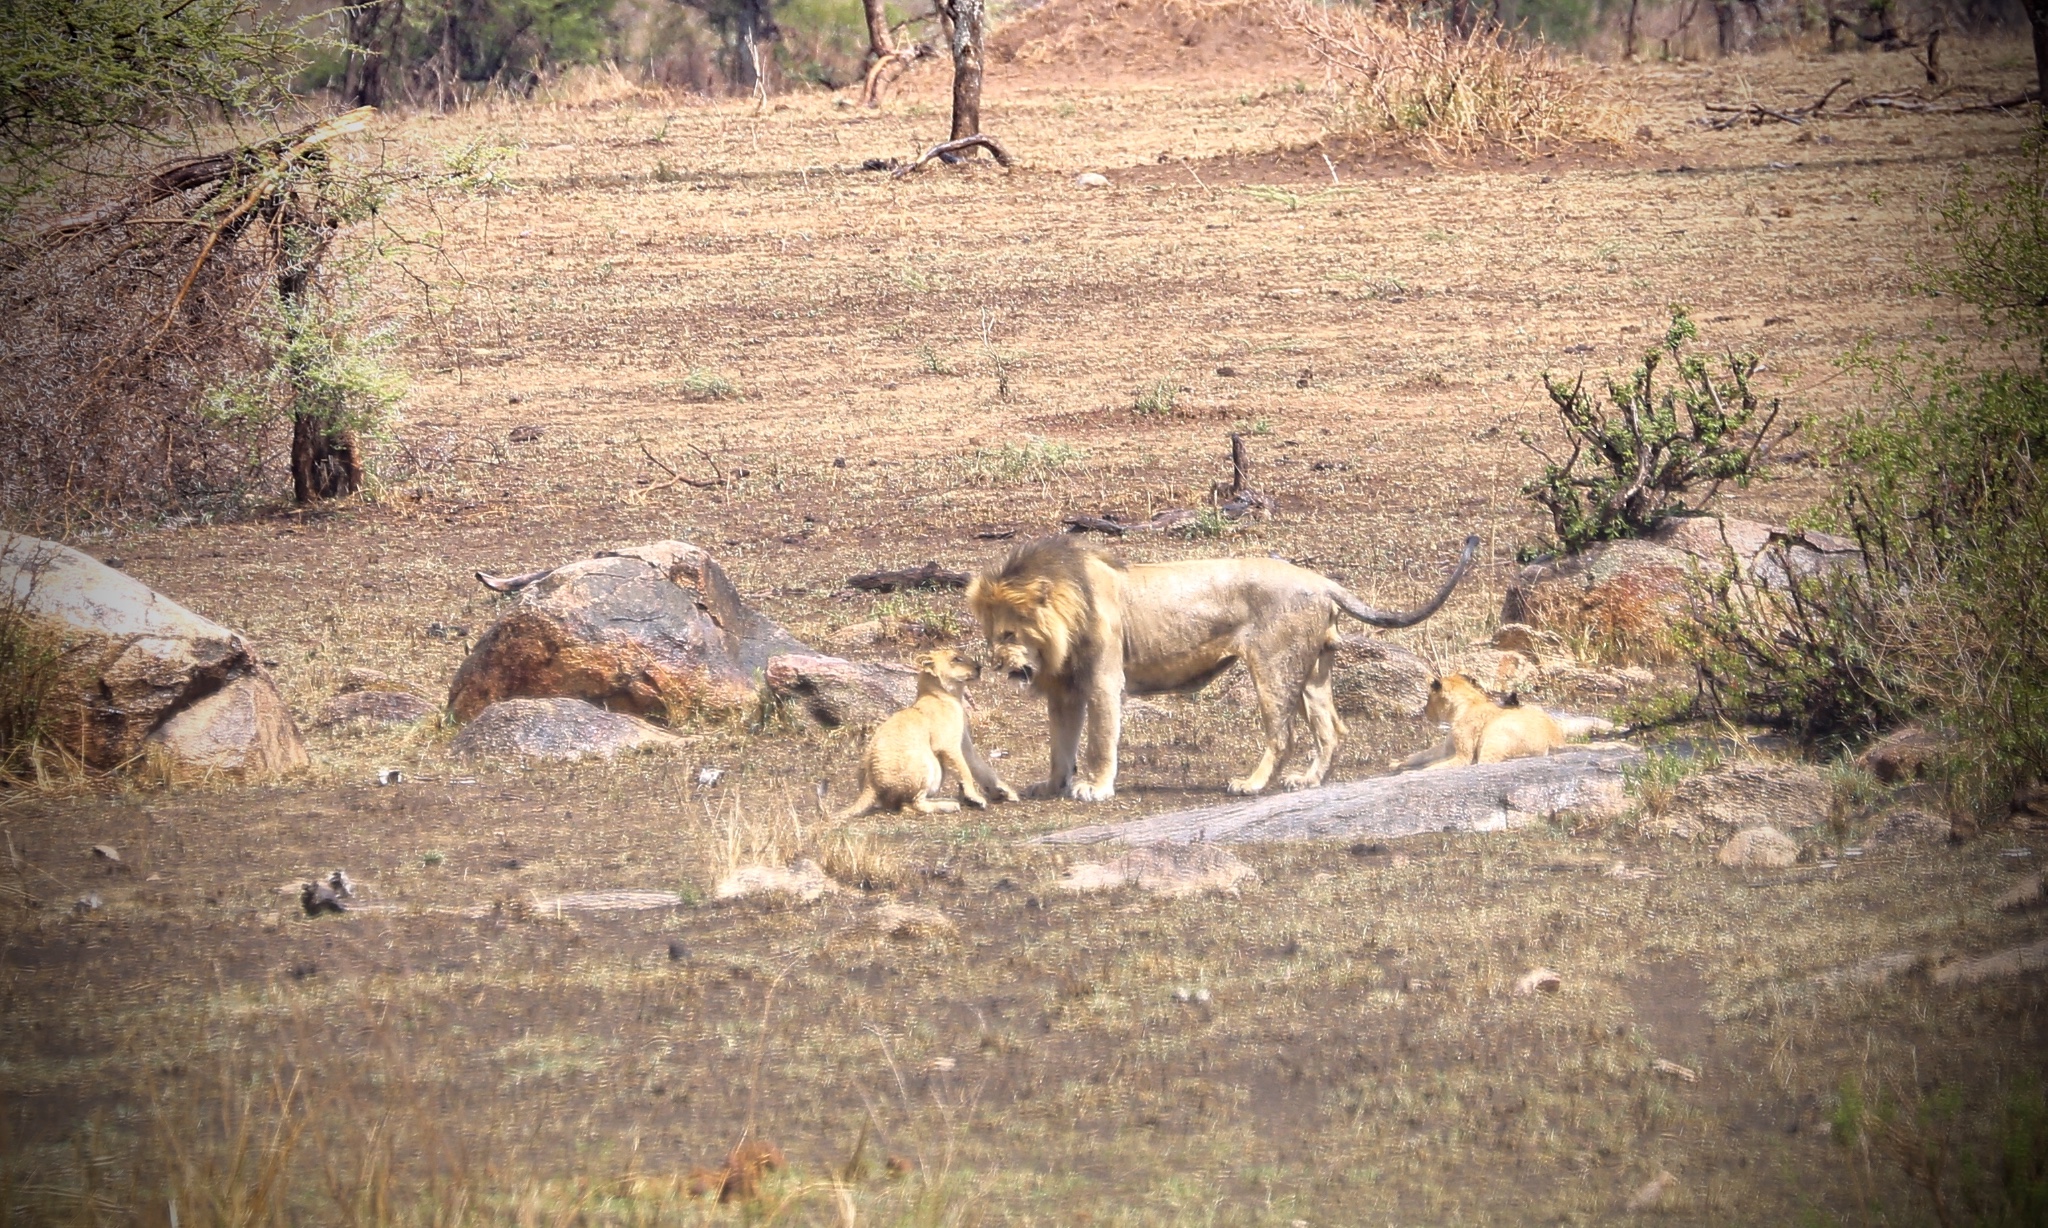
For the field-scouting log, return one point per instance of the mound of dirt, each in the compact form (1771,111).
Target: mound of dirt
(1079,39)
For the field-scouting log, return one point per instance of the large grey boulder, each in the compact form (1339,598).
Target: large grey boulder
(655,630)
(136,668)
(560,729)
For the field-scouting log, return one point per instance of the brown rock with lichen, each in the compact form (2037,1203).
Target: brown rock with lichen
(655,631)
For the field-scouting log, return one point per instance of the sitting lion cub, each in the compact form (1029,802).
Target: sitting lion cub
(1482,731)
(906,758)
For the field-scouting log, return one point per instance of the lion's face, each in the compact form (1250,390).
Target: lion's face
(952,669)
(1447,695)
(1026,626)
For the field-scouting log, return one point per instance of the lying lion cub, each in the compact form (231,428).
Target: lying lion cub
(1482,731)
(906,758)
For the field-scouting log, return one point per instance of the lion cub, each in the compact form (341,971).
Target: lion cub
(906,759)
(1482,731)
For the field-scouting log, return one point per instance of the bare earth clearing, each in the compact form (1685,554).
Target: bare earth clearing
(1340,1043)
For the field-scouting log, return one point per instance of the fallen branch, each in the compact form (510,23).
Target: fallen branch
(1233,500)
(675,478)
(1484,797)
(931,575)
(1756,113)
(1921,106)
(945,149)
(512,584)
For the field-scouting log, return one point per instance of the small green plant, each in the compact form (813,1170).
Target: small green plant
(664,173)
(700,385)
(1973,1167)
(432,857)
(931,362)
(1209,522)
(1257,426)
(1158,397)
(1644,458)
(1033,460)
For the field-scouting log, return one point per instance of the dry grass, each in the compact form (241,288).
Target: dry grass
(1416,81)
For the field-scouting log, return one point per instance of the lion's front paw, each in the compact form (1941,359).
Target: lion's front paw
(1084,792)
(1242,786)
(1294,781)
(1044,789)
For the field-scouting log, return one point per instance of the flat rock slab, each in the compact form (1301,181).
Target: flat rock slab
(368,710)
(1483,797)
(559,729)
(242,730)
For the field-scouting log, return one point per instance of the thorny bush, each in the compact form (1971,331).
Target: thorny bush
(1644,459)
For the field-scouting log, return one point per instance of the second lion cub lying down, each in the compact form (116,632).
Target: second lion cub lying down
(1482,731)
(907,756)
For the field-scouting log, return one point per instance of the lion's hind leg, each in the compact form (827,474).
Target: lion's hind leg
(1279,689)
(1319,708)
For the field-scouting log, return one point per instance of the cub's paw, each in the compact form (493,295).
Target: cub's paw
(1296,781)
(1084,792)
(1006,792)
(1243,786)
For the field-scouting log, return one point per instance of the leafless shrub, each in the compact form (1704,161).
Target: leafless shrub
(1450,95)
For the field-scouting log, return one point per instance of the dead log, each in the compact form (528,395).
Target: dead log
(931,575)
(944,149)
(1484,797)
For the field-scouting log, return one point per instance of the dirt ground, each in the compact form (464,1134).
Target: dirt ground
(877,372)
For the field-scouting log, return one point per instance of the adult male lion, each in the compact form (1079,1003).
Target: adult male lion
(1085,630)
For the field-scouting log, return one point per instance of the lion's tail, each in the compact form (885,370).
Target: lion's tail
(1405,618)
(866,803)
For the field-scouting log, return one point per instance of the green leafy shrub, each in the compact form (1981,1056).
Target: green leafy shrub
(1942,485)
(1643,459)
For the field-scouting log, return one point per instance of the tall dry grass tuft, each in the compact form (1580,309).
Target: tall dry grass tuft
(1416,81)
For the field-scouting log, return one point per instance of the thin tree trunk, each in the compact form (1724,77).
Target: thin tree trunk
(1628,43)
(968,19)
(880,45)
(2037,16)
(363,84)
(1724,25)
(324,460)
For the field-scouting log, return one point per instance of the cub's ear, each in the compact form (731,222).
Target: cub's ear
(1436,684)
(928,662)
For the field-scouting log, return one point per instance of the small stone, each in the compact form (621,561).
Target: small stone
(677,952)
(708,777)
(856,635)
(1759,848)
(1538,980)
(913,922)
(1653,1192)
(89,902)
(106,852)
(1090,179)
(1684,1074)
(317,898)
